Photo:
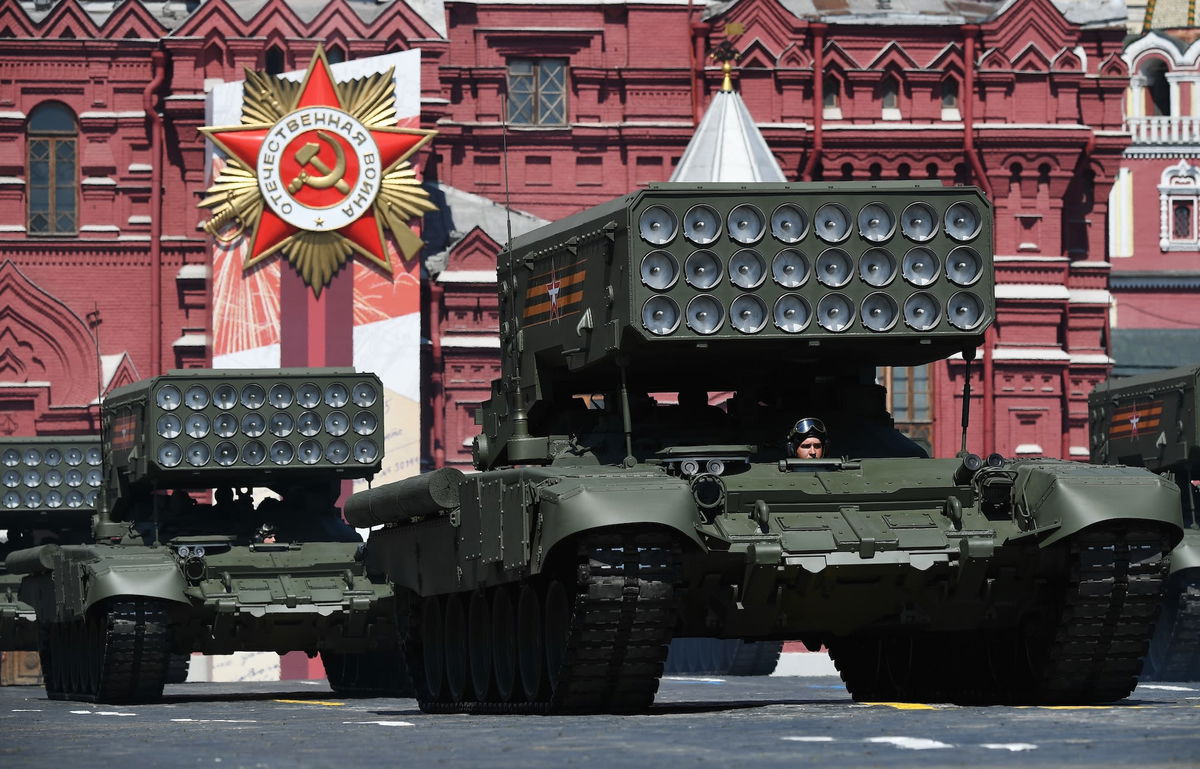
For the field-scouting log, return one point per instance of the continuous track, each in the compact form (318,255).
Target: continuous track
(592,640)
(1085,645)
(367,674)
(1175,650)
(118,655)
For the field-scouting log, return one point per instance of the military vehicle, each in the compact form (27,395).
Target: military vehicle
(175,569)
(722,657)
(603,524)
(49,490)
(1151,421)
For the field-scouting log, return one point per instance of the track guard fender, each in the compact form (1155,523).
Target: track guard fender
(1186,554)
(574,506)
(1057,499)
(148,577)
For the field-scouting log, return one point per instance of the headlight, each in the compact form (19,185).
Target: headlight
(168,397)
(964,266)
(920,266)
(748,314)
(835,312)
(657,225)
(225,396)
(918,222)
(789,223)
(746,224)
(964,311)
(196,397)
(169,455)
(336,395)
(364,394)
(921,311)
(834,267)
(962,221)
(705,314)
(169,426)
(792,313)
(790,268)
(659,270)
(253,396)
(701,225)
(879,312)
(832,223)
(877,267)
(281,396)
(660,315)
(876,222)
(747,269)
(702,269)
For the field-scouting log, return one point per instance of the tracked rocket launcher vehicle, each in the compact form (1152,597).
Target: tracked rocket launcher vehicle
(602,524)
(1153,421)
(168,573)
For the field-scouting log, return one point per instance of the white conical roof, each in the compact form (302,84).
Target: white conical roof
(727,147)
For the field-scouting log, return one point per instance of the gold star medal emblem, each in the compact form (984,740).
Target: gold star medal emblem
(317,170)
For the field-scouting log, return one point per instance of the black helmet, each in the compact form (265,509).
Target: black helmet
(808,427)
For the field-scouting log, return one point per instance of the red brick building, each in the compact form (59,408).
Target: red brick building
(101,168)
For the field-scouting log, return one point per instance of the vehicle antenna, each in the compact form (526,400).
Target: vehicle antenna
(93,323)
(504,156)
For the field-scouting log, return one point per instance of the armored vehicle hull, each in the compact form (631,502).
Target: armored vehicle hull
(18,621)
(1151,421)
(618,507)
(170,573)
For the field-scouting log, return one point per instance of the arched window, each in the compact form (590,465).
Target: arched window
(53,141)
(1157,89)
(334,54)
(276,62)
(889,97)
(950,99)
(832,106)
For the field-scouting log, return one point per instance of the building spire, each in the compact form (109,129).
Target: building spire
(727,145)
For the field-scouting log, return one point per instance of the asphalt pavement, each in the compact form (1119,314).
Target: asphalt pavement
(695,722)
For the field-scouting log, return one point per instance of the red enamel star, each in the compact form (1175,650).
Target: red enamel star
(319,169)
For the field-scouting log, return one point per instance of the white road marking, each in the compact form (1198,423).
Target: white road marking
(310,683)
(910,743)
(215,720)
(101,713)
(808,739)
(27,710)
(1009,746)
(694,679)
(381,723)
(1165,688)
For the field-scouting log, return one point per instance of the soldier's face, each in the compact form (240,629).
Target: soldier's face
(810,448)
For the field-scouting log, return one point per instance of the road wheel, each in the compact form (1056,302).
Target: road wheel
(457,673)
(531,647)
(557,627)
(425,650)
(479,646)
(504,645)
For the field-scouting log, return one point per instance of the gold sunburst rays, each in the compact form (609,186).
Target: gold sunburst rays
(235,201)
(236,197)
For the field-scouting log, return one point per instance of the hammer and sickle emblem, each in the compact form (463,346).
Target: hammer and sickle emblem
(330,177)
